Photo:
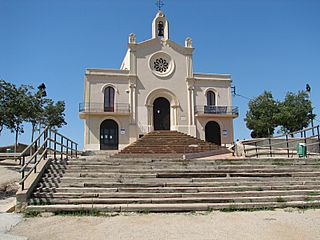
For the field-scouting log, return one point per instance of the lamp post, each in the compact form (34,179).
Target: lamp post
(41,93)
(308,89)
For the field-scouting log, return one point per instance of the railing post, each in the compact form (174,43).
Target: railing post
(35,157)
(67,150)
(45,135)
(318,131)
(287,140)
(305,142)
(61,147)
(77,149)
(22,173)
(55,146)
(255,143)
(270,147)
(71,150)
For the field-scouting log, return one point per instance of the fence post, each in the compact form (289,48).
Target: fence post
(44,142)
(305,141)
(61,147)
(318,137)
(22,174)
(255,143)
(287,140)
(55,146)
(270,147)
(77,149)
(71,150)
(35,157)
(67,150)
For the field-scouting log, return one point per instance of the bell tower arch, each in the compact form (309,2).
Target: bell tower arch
(160,26)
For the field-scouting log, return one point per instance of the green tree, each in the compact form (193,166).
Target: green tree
(295,112)
(54,116)
(261,116)
(36,111)
(16,105)
(3,86)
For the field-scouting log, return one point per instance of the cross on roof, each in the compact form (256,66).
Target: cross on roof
(159,4)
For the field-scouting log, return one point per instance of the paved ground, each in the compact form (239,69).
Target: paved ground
(262,225)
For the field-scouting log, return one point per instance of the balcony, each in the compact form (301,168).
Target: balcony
(217,111)
(99,109)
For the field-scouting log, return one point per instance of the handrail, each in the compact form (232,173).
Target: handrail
(285,134)
(289,139)
(41,146)
(31,144)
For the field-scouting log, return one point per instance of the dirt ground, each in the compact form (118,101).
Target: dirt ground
(285,224)
(9,177)
(288,224)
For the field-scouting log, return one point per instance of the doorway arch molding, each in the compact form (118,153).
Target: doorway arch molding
(174,105)
(162,92)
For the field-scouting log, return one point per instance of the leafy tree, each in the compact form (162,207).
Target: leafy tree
(261,116)
(3,86)
(295,112)
(16,107)
(54,116)
(36,111)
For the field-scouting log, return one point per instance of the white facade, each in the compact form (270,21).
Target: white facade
(121,105)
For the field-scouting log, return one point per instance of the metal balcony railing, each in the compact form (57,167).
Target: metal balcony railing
(212,109)
(100,108)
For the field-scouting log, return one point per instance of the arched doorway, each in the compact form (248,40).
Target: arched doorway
(213,132)
(161,114)
(109,135)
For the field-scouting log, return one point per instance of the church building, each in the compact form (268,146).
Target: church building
(155,89)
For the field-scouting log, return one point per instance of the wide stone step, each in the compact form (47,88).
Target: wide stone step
(221,181)
(168,207)
(133,161)
(176,168)
(148,184)
(307,187)
(197,199)
(311,194)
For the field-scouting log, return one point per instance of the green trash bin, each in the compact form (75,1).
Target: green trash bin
(9,150)
(302,150)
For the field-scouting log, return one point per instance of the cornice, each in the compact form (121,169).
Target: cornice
(106,72)
(212,76)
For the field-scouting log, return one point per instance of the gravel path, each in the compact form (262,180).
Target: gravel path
(262,225)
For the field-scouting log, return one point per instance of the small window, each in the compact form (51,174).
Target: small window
(211,98)
(109,99)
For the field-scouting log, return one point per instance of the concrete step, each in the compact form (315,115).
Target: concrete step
(159,200)
(186,168)
(311,194)
(168,207)
(148,184)
(164,189)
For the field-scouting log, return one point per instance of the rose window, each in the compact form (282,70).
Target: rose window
(161,65)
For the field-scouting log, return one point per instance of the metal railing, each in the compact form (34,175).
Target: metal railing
(100,107)
(212,109)
(285,144)
(49,142)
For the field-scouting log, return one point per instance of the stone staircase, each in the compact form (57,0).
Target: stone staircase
(173,185)
(169,144)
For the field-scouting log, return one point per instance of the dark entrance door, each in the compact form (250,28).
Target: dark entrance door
(161,114)
(213,132)
(109,135)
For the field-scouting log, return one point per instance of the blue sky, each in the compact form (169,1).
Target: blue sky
(265,44)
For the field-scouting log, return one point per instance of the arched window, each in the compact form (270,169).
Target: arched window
(211,98)
(109,99)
